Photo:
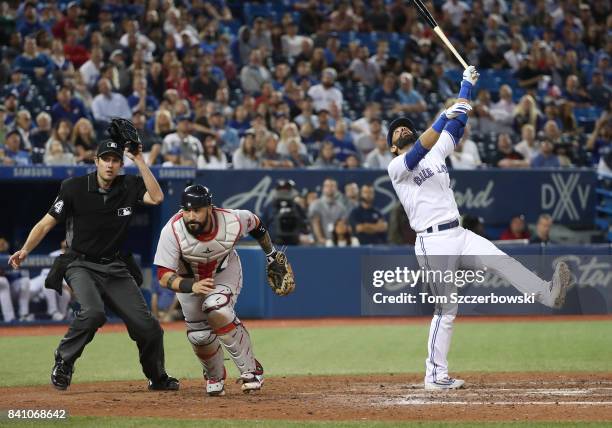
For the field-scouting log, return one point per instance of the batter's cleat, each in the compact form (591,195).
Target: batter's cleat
(444,384)
(166,383)
(216,387)
(559,285)
(252,381)
(61,375)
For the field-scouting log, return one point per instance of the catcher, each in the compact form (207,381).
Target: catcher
(196,258)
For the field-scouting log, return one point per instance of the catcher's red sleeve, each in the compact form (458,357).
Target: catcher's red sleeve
(161,271)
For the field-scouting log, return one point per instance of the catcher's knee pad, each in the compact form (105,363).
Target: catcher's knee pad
(201,337)
(219,309)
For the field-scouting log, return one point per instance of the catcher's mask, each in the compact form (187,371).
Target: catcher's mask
(196,196)
(401,142)
(123,132)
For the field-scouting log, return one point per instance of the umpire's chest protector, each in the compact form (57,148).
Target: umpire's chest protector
(206,255)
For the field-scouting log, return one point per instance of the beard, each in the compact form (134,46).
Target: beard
(194,227)
(404,141)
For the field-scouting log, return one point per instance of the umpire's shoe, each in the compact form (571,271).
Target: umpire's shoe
(166,383)
(61,375)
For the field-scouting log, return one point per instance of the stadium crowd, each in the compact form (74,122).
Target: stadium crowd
(302,83)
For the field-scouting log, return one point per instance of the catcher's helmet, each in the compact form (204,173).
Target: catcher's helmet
(196,196)
(402,121)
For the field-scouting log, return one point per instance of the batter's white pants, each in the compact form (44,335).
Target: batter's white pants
(457,248)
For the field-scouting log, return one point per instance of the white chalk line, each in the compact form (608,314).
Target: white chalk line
(416,402)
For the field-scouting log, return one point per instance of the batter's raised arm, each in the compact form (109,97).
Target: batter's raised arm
(462,106)
(402,132)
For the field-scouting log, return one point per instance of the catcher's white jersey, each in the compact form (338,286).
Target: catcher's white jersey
(425,191)
(207,254)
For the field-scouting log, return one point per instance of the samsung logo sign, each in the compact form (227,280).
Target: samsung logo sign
(177,173)
(32,172)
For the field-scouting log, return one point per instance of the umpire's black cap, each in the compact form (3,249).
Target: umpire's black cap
(196,196)
(401,121)
(110,146)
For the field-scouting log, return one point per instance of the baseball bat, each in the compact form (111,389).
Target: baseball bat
(428,17)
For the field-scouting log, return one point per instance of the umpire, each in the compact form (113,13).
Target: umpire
(97,209)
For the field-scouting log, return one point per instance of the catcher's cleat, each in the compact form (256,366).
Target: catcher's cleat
(444,384)
(61,375)
(166,383)
(560,284)
(216,387)
(252,381)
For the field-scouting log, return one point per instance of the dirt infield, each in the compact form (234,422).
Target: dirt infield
(489,397)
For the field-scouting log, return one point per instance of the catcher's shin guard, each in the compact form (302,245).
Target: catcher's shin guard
(237,342)
(207,348)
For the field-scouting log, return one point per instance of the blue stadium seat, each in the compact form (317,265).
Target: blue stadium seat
(531,33)
(368,39)
(345,37)
(586,117)
(454,75)
(253,10)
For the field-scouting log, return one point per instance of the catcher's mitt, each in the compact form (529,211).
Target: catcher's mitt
(124,132)
(280,274)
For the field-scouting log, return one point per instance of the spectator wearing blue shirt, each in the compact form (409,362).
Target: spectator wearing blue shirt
(228,138)
(29,23)
(11,104)
(35,65)
(599,142)
(546,158)
(10,154)
(241,121)
(140,100)
(67,107)
(599,91)
(343,142)
(367,221)
(387,97)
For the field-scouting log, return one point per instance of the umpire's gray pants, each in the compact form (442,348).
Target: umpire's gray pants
(95,285)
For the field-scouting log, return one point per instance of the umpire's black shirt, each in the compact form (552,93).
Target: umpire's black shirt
(97,220)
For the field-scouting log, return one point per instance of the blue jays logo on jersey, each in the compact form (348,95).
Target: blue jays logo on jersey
(425,173)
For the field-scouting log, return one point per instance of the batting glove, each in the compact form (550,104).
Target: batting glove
(471,75)
(457,109)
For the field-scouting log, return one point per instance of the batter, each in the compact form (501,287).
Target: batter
(422,183)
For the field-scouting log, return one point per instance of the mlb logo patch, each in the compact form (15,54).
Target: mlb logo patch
(57,207)
(123,212)
(112,144)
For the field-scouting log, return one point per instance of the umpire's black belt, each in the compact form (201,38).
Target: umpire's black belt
(443,226)
(98,260)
